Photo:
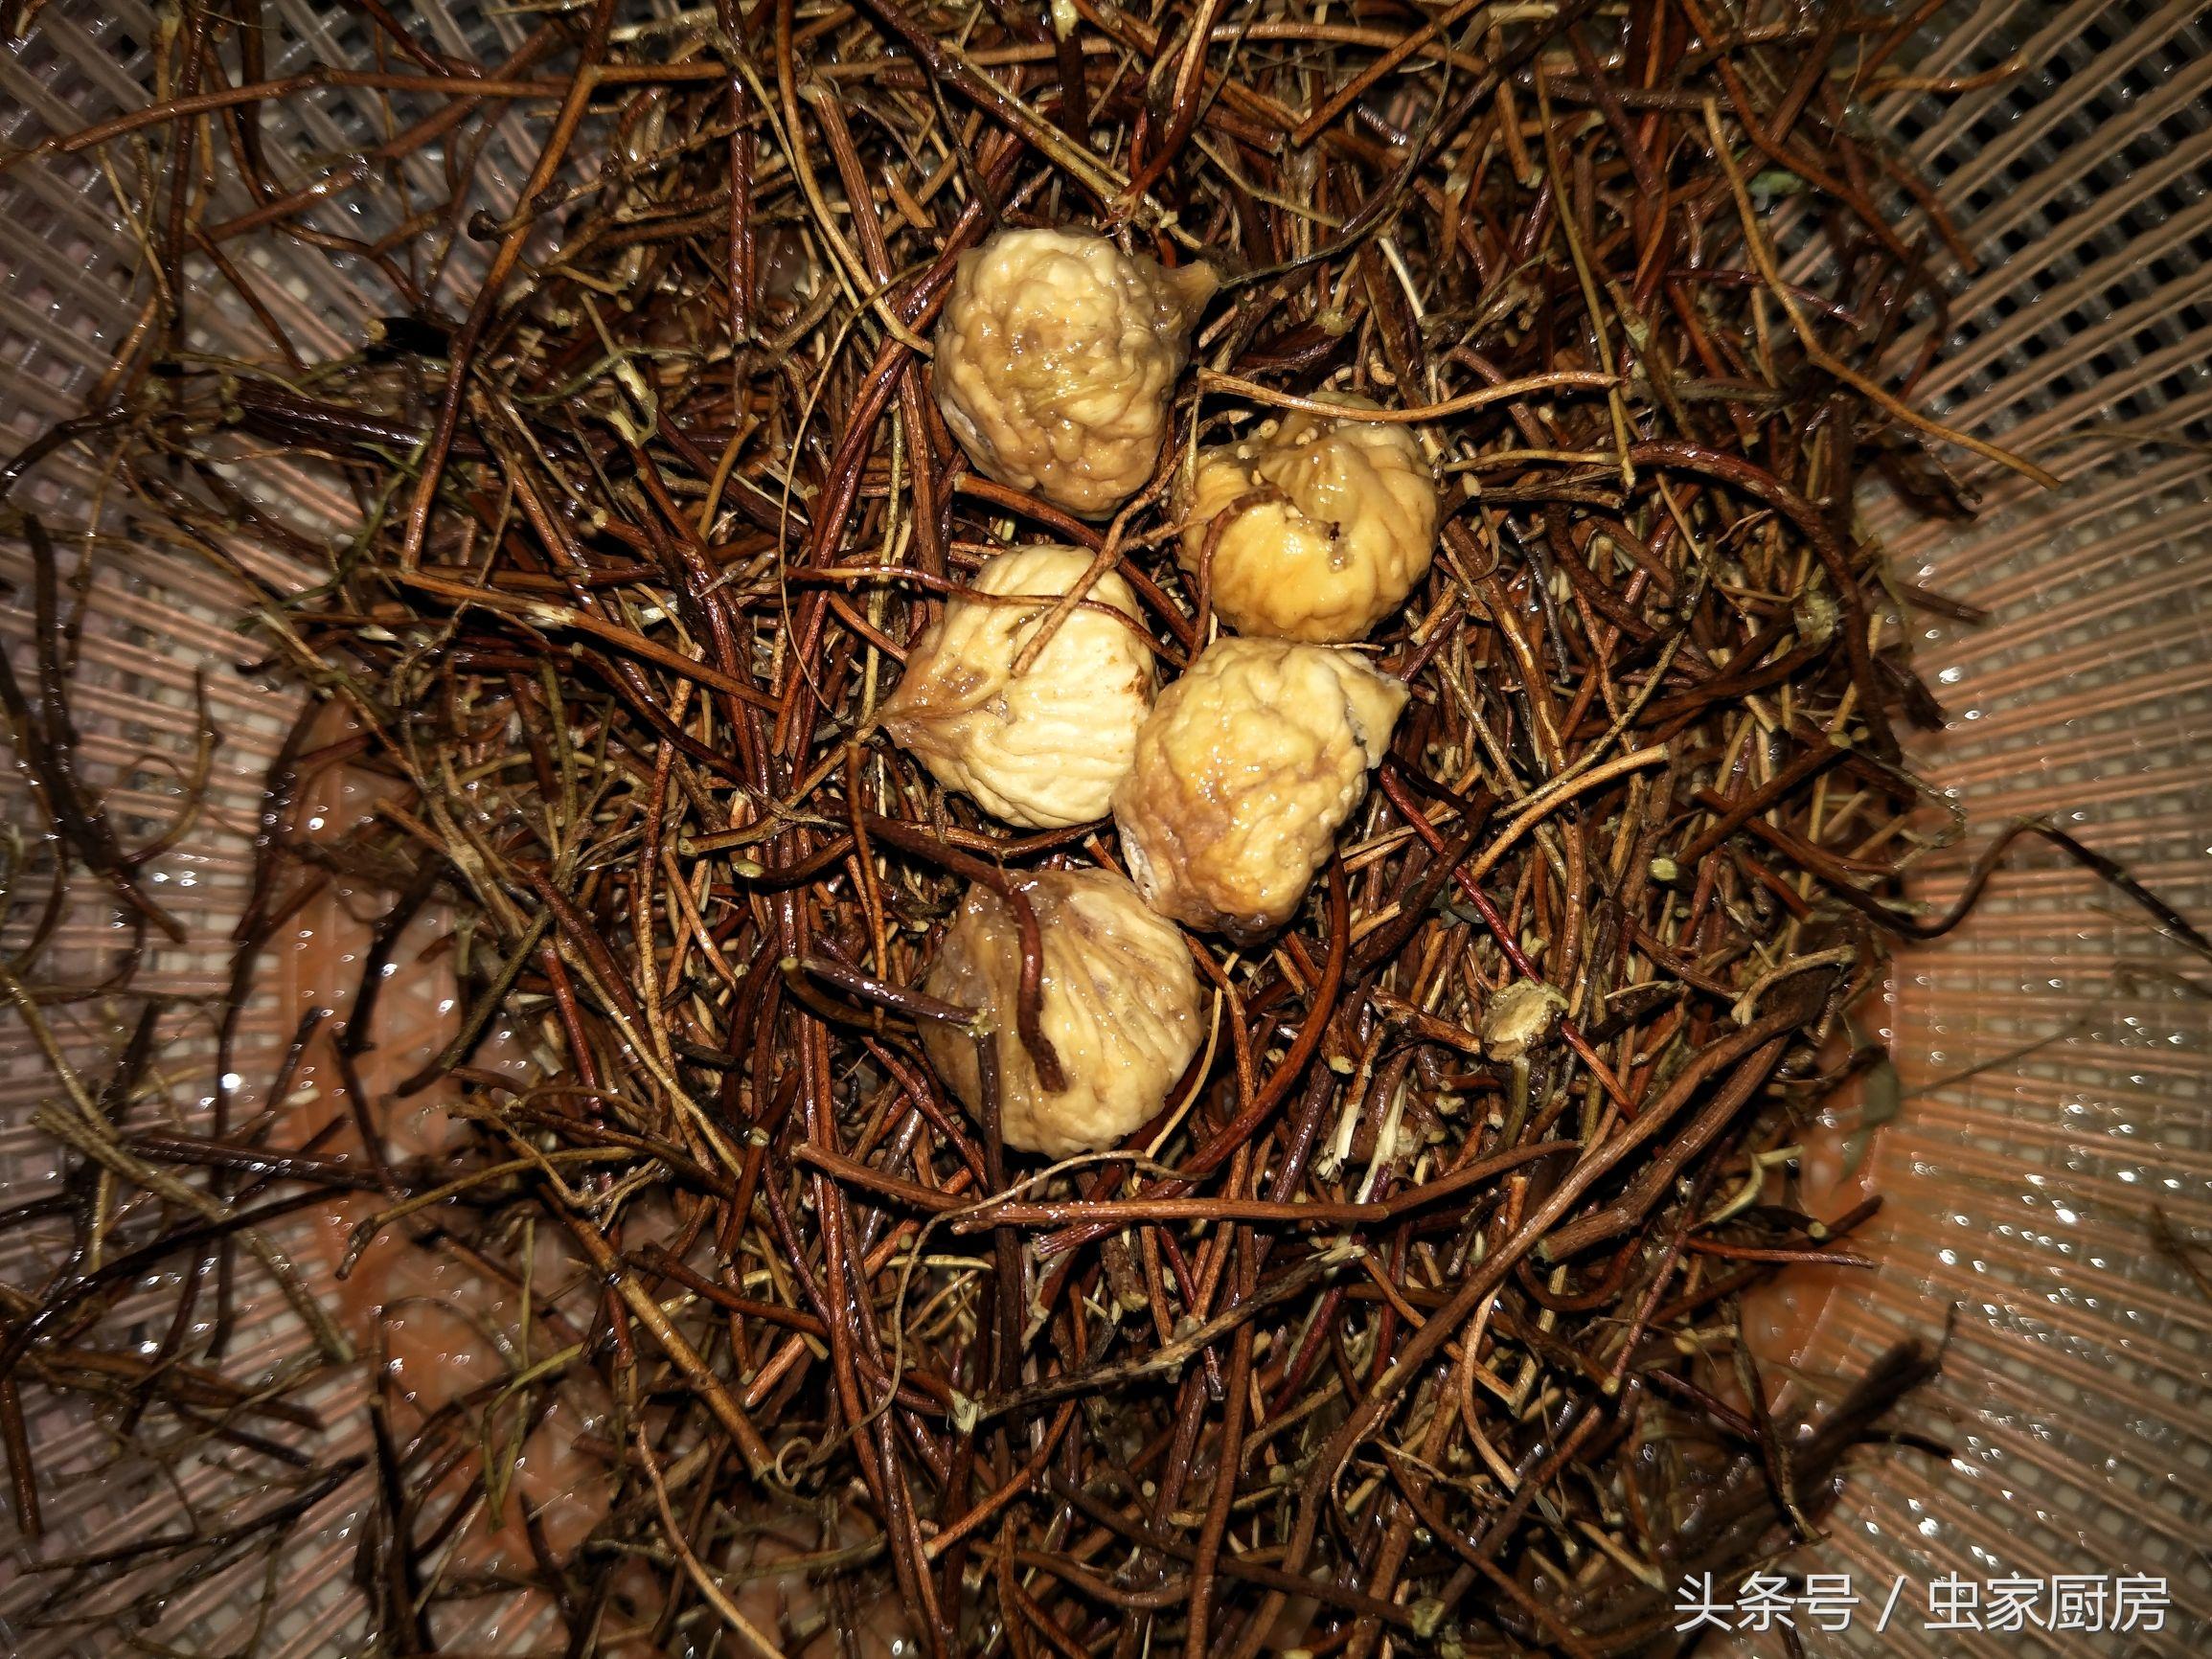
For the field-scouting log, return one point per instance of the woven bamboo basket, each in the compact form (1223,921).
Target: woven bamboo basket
(2054,1071)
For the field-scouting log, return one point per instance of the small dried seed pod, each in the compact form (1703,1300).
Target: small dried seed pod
(1343,529)
(1248,766)
(1519,1017)
(1045,747)
(1056,358)
(1120,1006)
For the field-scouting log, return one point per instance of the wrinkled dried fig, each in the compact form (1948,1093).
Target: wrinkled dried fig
(1056,358)
(1247,769)
(1341,527)
(1120,1006)
(1045,747)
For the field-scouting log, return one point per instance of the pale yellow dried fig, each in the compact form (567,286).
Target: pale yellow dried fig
(1120,1006)
(1056,359)
(1045,747)
(1337,526)
(1247,769)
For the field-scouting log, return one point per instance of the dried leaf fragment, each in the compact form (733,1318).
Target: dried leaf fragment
(1519,1017)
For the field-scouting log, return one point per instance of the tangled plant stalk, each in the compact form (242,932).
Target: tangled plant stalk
(1412,1319)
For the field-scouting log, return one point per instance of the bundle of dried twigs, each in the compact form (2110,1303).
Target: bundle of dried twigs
(1385,1338)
